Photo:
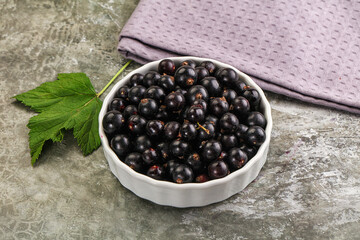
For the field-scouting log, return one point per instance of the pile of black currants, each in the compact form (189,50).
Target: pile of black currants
(187,122)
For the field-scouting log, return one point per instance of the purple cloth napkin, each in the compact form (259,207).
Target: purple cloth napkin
(309,50)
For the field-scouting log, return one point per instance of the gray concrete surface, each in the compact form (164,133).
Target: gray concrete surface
(309,187)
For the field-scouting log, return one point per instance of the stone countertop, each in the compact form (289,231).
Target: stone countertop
(309,187)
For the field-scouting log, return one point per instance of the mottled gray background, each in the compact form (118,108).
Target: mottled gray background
(309,187)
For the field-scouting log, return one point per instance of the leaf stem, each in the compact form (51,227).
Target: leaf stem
(113,79)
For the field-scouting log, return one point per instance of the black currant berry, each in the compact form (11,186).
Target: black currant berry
(122,92)
(142,143)
(249,150)
(239,87)
(156,172)
(183,174)
(201,103)
(194,161)
(129,111)
(253,96)
(188,131)
(227,77)
(113,121)
(210,66)
(256,119)
(206,131)
(185,76)
(195,114)
(156,93)
(170,166)
(179,148)
(150,156)
(171,130)
(136,93)
(201,178)
(218,106)
(167,83)
(229,95)
(151,78)
(166,66)
(154,128)
(136,79)
(136,124)
(117,104)
(134,161)
(197,92)
(236,158)
(240,106)
(120,144)
(211,150)
(162,114)
(188,62)
(255,136)
(148,108)
(201,72)
(163,150)
(218,169)
(229,141)
(212,86)
(241,132)
(174,102)
(229,123)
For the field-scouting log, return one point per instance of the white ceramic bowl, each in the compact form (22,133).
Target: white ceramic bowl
(189,194)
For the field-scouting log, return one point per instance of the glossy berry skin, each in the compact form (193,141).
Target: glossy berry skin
(117,104)
(206,132)
(170,167)
(197,92)
(155,128)
(136,79)
(162,114)
(185,76)
(148,108)
(179,148)
(136,93)
(239,87)
(212,86)
(163,150)
(195,114)
(113,121)
(253,96)
(171,130)
(229,95)
(188,62)
(227,77)
(255,136)
(240,106)
(201,73)
(151,78)
(174,102)
(249,150)
(201,178)
(211,150)
(182,174)
(229,141)
(120,144)
(180,90)
(256,119)
(213,119)
(156,172)
(167,83)
(130,110)
(218,169)
(122,92)
(136,124)
(201,103)
(188,131)
(241,132)
(210,66)
(194,161)
(142,143)
(166,66)
(150,156)
(229,123)
(156,93)
(134,161)
(218,106)
(236,158)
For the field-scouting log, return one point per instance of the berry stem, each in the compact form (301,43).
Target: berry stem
(113,79)
(202,127)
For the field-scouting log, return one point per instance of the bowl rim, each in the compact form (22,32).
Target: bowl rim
(188,186)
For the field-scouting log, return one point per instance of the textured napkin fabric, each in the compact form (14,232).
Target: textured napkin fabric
(309,50)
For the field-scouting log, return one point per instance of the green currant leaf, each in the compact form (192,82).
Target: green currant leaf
(67,103)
